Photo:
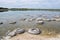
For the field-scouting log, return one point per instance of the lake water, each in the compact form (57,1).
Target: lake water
(10,16)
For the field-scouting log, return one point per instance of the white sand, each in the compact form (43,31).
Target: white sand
(27,36)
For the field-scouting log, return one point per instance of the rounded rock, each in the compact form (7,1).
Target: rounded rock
(57,19)
(39,19)
(7,37)
(1,23)
(53,19)
(48,20)
(1,39)
(19,31)
(12,23)
(23,19)
(13,33)
(30,19)
(34,31)
(40,22)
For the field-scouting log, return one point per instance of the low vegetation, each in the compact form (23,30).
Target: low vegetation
(3,9)
(27,9)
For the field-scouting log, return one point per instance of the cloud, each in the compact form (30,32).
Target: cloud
(7,1)
(31,3)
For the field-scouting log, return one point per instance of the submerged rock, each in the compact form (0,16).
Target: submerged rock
(53,19)
(7,32)
(1,23)
(39,22)
(12,23)
(31,19)
(34,31)
(48,20)
(19,31)
(13,33)
(6,37)
(23,19)
(44,15)
(39,19)
(1,39)
(57,19)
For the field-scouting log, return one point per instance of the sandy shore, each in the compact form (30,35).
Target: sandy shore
(27,36)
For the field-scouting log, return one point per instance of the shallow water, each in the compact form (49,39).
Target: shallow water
(11,16)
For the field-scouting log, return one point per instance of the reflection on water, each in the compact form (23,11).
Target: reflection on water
(11,16)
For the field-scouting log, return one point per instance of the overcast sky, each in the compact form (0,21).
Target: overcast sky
(30,3)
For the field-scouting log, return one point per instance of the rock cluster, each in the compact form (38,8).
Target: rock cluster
(34,31)
(37,20)
(15,32)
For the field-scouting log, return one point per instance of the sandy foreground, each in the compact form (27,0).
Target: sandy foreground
(27,36)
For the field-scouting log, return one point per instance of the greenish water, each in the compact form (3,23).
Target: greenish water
(10,16)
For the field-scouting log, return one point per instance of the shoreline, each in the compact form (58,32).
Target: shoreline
(21,34)
(26,36)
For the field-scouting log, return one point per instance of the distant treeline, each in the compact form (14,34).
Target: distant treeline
(26,9)
(3,9)
(22,9)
